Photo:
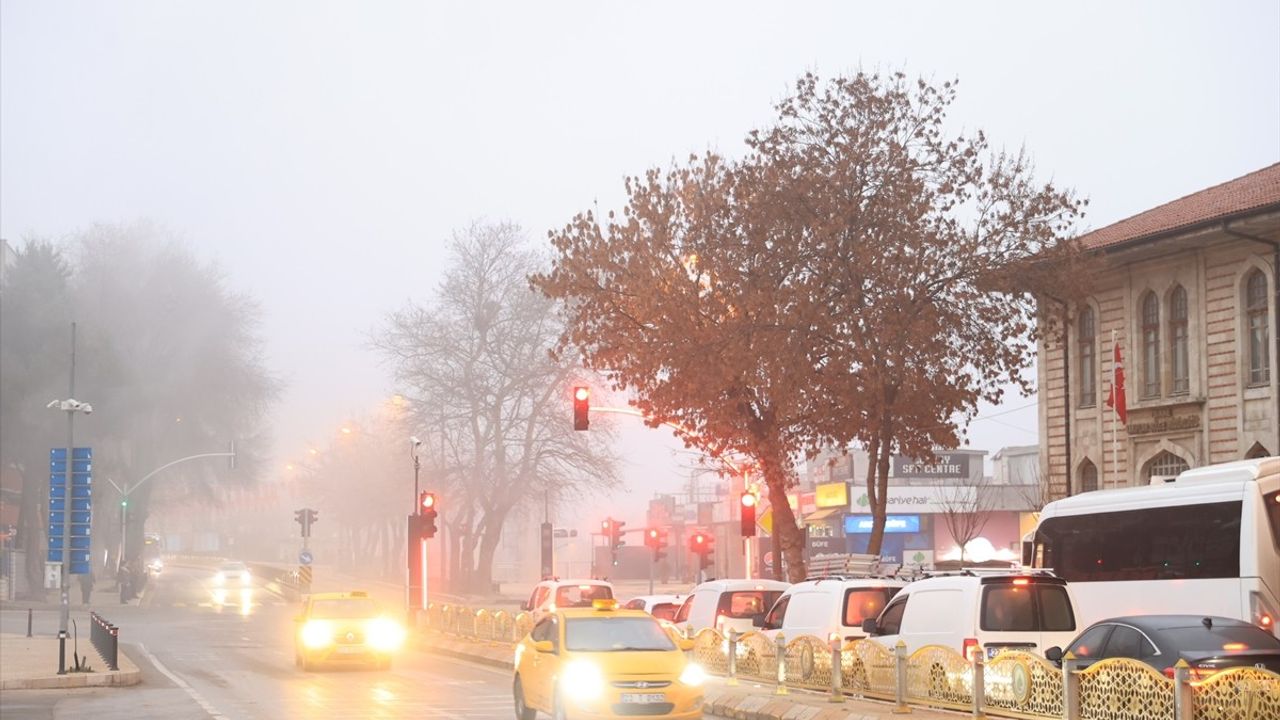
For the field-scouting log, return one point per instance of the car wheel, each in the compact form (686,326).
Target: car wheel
(523,711)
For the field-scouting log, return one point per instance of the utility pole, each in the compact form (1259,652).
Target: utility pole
(65,614)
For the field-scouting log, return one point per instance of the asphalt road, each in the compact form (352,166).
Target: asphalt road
(206,653)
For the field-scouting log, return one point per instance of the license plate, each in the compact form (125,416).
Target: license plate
(643,698)
(350,649)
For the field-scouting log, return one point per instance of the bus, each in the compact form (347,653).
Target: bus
(1205,543)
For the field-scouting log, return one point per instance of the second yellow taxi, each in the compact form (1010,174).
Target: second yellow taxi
(603,662)
(345,629)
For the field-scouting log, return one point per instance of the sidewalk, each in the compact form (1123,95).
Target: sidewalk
(748,700)
(30,663)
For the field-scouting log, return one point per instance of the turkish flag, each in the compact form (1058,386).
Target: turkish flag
(1115,398)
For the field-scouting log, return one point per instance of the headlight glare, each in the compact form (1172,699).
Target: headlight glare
(582,681)
(316,634)
(384,635)
(219,577)
(244,576)
(693,675)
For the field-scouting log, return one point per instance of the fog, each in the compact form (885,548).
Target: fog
(321,153)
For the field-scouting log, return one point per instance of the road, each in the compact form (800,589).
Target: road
(210,654)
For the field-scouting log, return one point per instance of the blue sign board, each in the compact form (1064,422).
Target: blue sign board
(892,524)
(71,516)
(304,557)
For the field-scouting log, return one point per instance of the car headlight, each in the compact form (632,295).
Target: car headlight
(219,577)
(244,576)
(582,681)
(384,634)
(316,634)
(693,675)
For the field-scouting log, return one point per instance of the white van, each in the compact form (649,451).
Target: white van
(551,595)
(728,604)
(829,606)
(979,613)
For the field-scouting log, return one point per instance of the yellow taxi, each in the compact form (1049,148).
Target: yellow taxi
(603,662)
(344,629)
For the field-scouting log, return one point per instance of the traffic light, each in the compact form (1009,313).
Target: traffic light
(612,530)
(305,518)
(617,538)
(581,405)
(701,544)
(427,509)
(312,517)
(656,539)
(748,514)
(300,517)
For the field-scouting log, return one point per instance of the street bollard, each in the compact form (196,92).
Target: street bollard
(780,650)
(1183,707)
(837,670)
(28,622)
(732,660)
(1070,688)
(900,679)
(979,684)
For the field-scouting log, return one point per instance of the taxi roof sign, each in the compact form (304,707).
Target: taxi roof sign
(604,604)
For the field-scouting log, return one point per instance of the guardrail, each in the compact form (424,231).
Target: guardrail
(106,640)
(1012,684)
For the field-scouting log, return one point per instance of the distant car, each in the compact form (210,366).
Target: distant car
(551,595)
(1208,644)
(232,573)
(345,629)
(154,566)
(663,607)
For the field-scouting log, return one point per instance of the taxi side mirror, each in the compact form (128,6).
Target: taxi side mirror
(684,643)
(544,646)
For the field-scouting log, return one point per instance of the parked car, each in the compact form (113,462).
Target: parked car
(663,607)
(979,613)
(1208,644)
(551,595)
(728,604)
(829,606)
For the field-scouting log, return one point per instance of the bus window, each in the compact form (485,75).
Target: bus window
(1272,502)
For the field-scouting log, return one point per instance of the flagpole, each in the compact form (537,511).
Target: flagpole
(1115,454)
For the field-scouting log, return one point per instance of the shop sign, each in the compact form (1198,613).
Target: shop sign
(834,494)
(941,465)
(820,546)
(892,524)
(929,499)
(1163,421)
(801,504)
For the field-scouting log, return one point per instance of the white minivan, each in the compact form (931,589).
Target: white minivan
(829,606)
(728,604)
(979,613)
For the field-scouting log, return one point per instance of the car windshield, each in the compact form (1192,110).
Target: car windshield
(615,634)
(581,595)
(1201,639)
(233,568)
(344,608)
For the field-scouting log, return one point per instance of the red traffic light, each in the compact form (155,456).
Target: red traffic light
(427,501)
(748,500)
(581,406)
(581,393)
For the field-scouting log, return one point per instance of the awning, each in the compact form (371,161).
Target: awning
(824,514)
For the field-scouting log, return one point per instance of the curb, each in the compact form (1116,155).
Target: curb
(424,644)
(106,678)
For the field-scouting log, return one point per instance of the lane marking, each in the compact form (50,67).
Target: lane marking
(186,687)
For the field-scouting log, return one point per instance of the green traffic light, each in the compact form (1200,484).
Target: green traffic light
(124,503)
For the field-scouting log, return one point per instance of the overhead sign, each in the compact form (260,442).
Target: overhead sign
(930,499)
(941,465)
(834,494)
(70,509)
(893,524)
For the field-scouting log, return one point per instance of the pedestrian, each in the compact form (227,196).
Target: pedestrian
(86,586)
(124,578)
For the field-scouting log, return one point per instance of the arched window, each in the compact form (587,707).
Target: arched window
(1257,451)
(1178,341)
(1255,303)
(1088,476)
(1088,336)
(1150,345)
(1166,464)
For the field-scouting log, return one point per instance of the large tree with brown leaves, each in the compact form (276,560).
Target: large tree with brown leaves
(861,275)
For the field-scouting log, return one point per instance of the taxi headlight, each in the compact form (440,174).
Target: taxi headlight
(316,634)
(384,634)
(582,681)
(693,675)
(244,576)
(219,577)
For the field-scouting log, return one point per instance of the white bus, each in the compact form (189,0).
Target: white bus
(1206,543)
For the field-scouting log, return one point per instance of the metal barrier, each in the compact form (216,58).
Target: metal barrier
(1011,684)
(106,640)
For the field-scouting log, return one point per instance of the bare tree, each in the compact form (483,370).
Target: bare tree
(966,508)
(477,367)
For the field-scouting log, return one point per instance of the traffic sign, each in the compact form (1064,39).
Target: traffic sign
(304,557)
(70,514)
(765,521)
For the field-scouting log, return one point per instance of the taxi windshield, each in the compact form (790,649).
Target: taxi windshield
(615,635)
(344,608)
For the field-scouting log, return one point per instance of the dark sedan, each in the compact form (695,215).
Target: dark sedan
(1208,644)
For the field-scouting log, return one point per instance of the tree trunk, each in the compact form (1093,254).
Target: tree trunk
(488,547)
(880,500)
(788,536)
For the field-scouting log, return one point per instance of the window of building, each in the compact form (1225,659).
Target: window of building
(1150,345)
(1255,295)
(1257,451)
(1088,476)
(1088,359)
(1178,341)
(1166,464)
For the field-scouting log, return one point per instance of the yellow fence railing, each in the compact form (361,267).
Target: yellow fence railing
(1012,684)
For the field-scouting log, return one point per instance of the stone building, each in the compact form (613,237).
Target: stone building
(1187,293)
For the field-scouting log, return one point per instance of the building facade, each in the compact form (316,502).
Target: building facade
(1185,302)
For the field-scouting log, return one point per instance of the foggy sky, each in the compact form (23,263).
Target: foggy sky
(321,152)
